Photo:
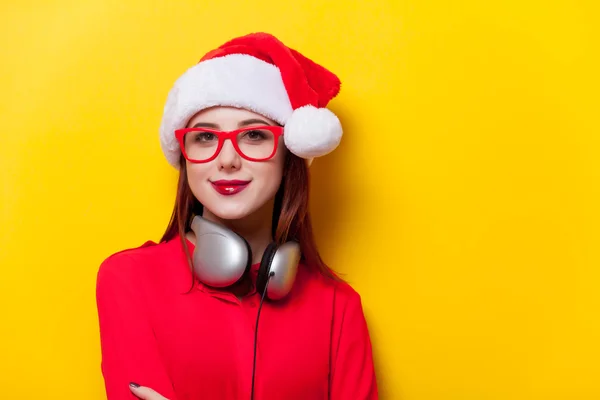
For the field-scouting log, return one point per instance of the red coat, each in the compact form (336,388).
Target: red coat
(314,344)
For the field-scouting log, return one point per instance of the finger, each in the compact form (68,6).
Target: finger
(145,393)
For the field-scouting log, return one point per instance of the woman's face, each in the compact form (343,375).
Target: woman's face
(216,184)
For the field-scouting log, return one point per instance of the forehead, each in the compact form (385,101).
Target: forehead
(226,116)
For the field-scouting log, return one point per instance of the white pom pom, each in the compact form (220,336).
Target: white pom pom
(312,132)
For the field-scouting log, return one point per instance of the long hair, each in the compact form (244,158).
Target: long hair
(291,217)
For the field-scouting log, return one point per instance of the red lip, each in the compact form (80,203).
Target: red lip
(229,187)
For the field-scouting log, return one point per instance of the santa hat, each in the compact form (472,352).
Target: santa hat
(259,73)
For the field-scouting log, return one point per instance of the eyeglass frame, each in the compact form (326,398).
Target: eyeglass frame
(277,131)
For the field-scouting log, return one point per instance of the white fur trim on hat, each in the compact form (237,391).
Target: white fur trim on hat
(236,80)
(312,132)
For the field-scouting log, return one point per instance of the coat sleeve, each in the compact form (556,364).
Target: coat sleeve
(128,345)
(352,367)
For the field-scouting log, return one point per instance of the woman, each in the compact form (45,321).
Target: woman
(185,318)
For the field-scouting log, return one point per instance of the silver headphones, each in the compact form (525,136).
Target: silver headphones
(222,258)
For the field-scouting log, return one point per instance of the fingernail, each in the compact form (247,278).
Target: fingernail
(134,385)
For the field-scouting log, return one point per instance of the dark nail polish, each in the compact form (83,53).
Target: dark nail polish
(134,385)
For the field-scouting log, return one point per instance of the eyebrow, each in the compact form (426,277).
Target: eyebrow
(205,125)
(253,121)
(245,122)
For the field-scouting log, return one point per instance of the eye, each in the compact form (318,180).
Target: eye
(204,137)
(254,135)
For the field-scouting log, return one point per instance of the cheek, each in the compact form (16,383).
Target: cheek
(197,177)
(269,175)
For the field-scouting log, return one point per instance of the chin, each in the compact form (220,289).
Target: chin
(230,214)
(228,209)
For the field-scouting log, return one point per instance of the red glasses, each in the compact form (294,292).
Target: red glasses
(257,143)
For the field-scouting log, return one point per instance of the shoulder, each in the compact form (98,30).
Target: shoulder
(342,302)
(126,260)
(339,291)
(347,299)
(136,263)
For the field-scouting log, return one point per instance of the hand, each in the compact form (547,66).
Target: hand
(145,393)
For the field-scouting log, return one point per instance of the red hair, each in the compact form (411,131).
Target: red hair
(291,218)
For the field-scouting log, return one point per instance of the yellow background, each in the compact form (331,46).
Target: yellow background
(463,203)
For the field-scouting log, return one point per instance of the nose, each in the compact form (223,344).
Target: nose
(228,158)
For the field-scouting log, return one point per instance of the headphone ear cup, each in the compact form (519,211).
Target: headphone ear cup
(265,267)
(281,262)
(221,257)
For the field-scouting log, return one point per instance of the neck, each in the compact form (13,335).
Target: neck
(255,228)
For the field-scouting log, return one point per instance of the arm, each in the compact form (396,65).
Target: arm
(129,349)
(352,369)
